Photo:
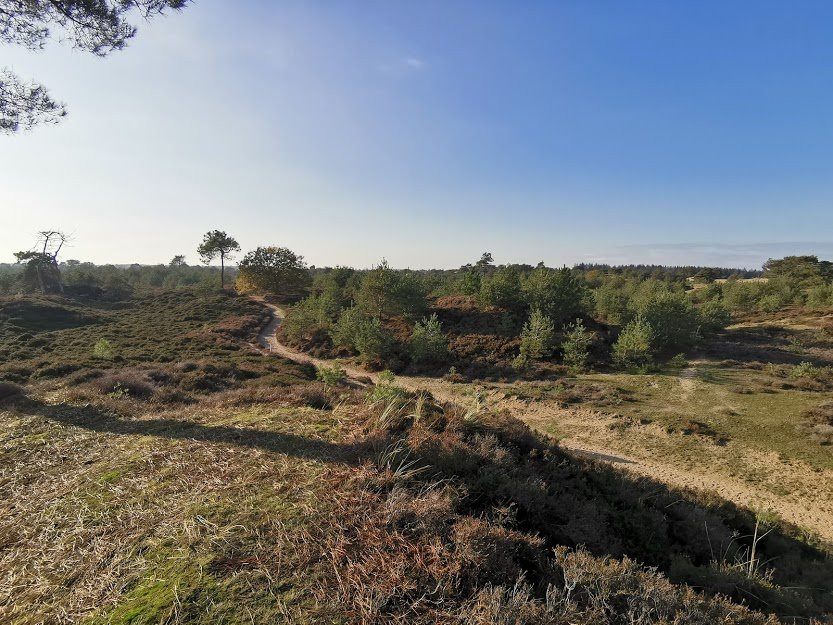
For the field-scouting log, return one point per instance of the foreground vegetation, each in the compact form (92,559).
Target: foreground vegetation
(175,474)
(155,466)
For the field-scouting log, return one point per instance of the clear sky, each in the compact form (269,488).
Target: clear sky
(427,132)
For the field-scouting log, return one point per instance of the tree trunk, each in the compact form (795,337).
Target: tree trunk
(222,271)
(40,279)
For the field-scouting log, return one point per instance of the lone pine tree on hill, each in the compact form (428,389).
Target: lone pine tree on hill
(217,243)
(41,262)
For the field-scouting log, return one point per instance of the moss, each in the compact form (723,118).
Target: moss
(219,570)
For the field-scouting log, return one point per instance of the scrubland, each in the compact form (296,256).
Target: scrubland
(156,467)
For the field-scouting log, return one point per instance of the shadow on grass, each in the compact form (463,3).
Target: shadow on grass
(95,420)
(563,499)
(765,344)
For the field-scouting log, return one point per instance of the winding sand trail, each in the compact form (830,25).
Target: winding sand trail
(592,435)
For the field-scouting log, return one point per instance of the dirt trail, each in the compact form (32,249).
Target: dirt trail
(268,340)
(687,385)
(595,437)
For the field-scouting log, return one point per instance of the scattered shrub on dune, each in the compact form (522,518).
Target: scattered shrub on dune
(634,347)
(502,289)
(103,349)
(714,316)
(537,338)
(576,346)
(305,319)
(428,343)
(127,383)
(331,376)
(557,293)
(673,319)
(806,369)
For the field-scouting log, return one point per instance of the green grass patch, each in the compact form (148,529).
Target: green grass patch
(734,403)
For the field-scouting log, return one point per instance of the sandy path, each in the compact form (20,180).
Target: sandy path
(590,435)
(687,385)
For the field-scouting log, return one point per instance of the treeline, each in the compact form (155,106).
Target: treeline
(75,278)
(631,316)
(387,317)
(673,273)
(584,316)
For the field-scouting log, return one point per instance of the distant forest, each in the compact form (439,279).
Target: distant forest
(119,280)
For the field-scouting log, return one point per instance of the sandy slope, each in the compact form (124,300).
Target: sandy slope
(592,435)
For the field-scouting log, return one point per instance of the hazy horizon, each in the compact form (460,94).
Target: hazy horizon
(657,256)
(426,134)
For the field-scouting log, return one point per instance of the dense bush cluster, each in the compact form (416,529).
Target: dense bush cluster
(588,316)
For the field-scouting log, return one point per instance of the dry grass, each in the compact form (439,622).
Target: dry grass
(229,511)
(269,498)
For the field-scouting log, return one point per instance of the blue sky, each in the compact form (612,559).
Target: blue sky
(428,132)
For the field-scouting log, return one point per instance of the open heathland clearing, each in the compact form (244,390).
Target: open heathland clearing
(156,466)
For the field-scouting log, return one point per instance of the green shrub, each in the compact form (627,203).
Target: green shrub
(384,291)
(346,329)
(806,370)
(741,296)
(469,282)
(358,332)
(714,316)
(820,296)
(502,289)
(385,390)
(678,362)
(305,319)
(673,320)
(537,338)
(557,293)
(770,303)
(634,347)
(373,340)
(612,302)
(331,376)
(577,343)
(103,349)
(428,343)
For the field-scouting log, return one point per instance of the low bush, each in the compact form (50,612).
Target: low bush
(386,391)
(311,395)
(428,343)
(331,376)
(577,343)
(103,349)
(634,347)
(806,370)
(714,316)
(9,389)
(673,320)
(305,319)
(484,515)
(362,334)
(125,383)
(537,338)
